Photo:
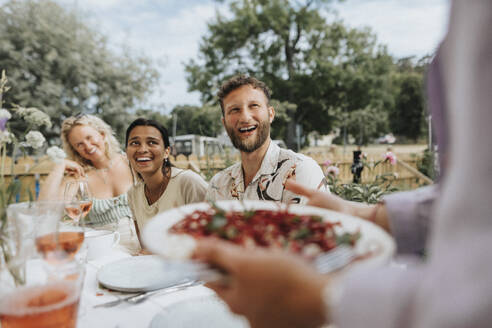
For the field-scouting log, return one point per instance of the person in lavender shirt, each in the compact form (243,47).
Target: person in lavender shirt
(453,287)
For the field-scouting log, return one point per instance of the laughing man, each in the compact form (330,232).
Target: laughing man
(264,167)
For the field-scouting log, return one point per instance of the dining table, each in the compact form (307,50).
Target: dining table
(123,314)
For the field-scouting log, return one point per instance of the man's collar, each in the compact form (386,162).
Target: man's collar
(268,165)
(175,171)
(270,161)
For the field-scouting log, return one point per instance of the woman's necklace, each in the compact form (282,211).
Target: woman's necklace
(103,172)
(151,199)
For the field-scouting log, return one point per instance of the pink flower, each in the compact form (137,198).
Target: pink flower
(389,156)
(327,163)
(333,170)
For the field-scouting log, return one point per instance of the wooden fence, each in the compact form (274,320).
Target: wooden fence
(32,172)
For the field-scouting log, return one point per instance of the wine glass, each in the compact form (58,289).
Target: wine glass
(48,298)
(38,225)
(78,202)
(78,199)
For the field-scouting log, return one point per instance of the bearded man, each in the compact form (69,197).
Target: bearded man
(264,167)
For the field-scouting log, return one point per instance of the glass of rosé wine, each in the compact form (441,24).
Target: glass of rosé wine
(78,202)
(36,227)
(78,199)
(49,298)
(55,242)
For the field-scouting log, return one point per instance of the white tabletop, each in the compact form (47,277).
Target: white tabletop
(124,314)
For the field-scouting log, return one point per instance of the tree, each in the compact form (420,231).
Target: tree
(204,120)
(408,115)
(407,118)
(283,113)
(149,114)
(321,67)
(366,124)
(59,64)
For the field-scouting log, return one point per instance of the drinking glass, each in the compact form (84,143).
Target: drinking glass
(78,203)
(37,227)
(78,199)
(48,299)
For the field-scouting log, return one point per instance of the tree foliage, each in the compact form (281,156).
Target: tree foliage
(149,114)
(322,67)
(58,63)
(283,114)
(204,120)
(366,124)
(407,118)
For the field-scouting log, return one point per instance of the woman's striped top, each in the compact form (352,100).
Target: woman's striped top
(109,210)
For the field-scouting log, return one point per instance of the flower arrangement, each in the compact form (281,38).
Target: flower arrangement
(33,119)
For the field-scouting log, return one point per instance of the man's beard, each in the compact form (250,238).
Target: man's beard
(247,145)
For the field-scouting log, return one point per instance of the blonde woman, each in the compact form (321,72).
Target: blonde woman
(94,154)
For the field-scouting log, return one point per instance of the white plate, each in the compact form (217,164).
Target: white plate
(136,274)
(157,239)
(204,312)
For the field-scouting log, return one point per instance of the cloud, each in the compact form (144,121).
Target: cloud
(169,31)
(406,27)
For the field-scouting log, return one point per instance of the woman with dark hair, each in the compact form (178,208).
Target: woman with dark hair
(161,186)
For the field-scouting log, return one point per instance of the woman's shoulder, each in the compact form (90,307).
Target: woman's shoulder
(135,189)
(188,175)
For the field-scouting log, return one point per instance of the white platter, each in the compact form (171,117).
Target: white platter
(156,238)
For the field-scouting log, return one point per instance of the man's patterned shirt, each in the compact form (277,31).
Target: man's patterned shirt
(268,184)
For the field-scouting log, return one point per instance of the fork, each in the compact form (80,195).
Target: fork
(334,259)
(328,262)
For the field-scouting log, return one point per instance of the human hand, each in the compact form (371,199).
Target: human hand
(270,287)
(73,169)
(320,198)
(375,214)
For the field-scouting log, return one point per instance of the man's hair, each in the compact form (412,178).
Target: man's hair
(238,81)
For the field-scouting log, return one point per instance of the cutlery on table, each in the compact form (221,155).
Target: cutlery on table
(140,297)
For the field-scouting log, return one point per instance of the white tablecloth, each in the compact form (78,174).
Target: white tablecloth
(124,315)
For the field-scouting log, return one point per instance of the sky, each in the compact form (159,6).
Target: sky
(169,32)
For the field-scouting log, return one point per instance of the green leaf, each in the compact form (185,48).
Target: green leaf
(218,221)
(347,238)
(302,233)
